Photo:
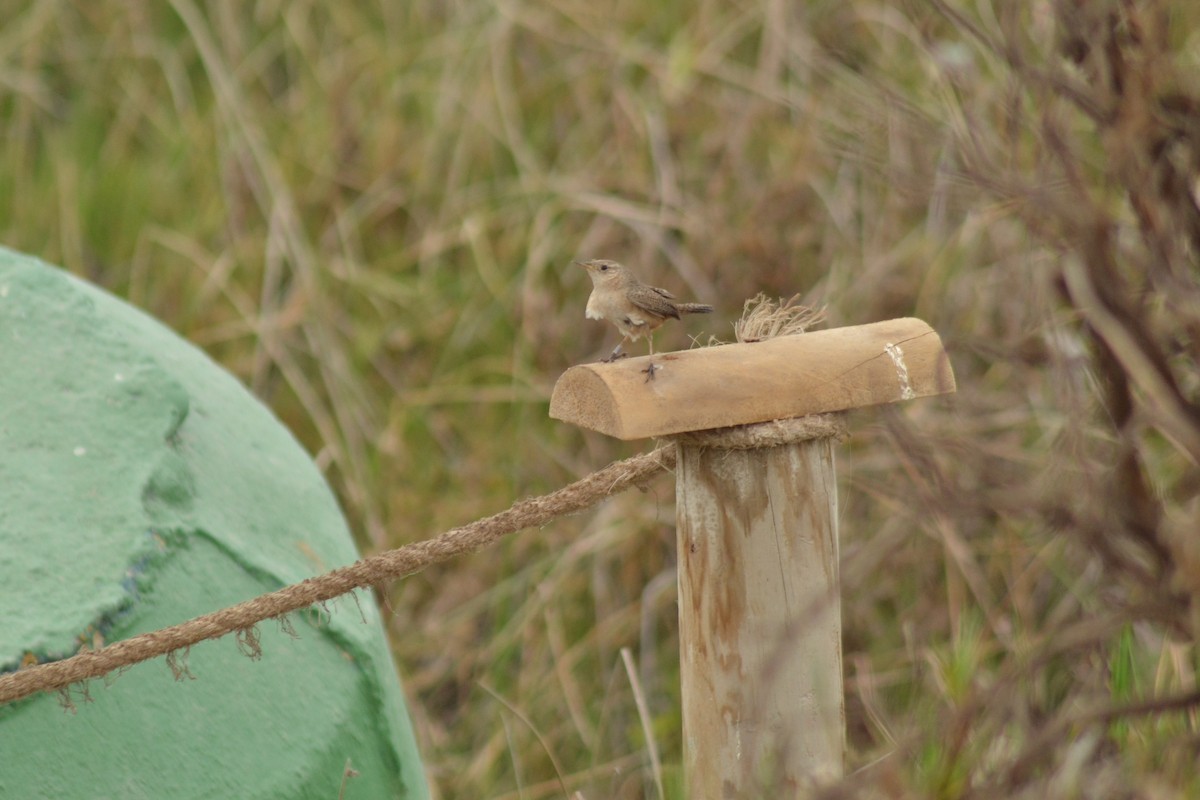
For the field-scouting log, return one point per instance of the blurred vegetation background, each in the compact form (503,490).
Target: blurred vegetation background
(367,212)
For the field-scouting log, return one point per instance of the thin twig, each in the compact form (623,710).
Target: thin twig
(643,709)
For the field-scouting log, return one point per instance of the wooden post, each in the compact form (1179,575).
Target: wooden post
(759,604)
(759,617)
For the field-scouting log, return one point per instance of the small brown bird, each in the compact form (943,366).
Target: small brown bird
(635,308)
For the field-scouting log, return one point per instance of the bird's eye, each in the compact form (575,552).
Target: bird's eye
(603,267)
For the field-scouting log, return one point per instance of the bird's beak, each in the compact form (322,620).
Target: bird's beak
(580,263)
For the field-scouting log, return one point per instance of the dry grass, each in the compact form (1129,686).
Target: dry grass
(763,318)
(366,212)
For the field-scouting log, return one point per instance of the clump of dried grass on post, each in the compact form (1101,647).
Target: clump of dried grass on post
(763,318)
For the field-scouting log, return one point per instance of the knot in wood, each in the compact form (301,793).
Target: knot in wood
(767,434)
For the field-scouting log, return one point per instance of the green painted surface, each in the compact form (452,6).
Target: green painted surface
(141,485)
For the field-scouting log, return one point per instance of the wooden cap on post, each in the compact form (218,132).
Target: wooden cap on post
(737,384)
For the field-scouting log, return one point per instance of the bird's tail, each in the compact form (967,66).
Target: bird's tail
(694,308)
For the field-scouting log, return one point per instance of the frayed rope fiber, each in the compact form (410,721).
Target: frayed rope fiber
(371,571)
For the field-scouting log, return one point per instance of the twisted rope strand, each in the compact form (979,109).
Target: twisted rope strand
(371,571)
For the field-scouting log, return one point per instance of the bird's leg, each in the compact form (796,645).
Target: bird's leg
(650,368)
(615,354)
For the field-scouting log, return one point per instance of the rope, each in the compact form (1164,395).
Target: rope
(767,434)
(404,561)
(371,571)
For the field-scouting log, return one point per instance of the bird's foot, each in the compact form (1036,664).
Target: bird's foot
(613,356)
(650,370)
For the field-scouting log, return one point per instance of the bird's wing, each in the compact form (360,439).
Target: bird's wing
(654,301)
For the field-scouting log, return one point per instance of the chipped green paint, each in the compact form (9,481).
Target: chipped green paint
(140,486)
